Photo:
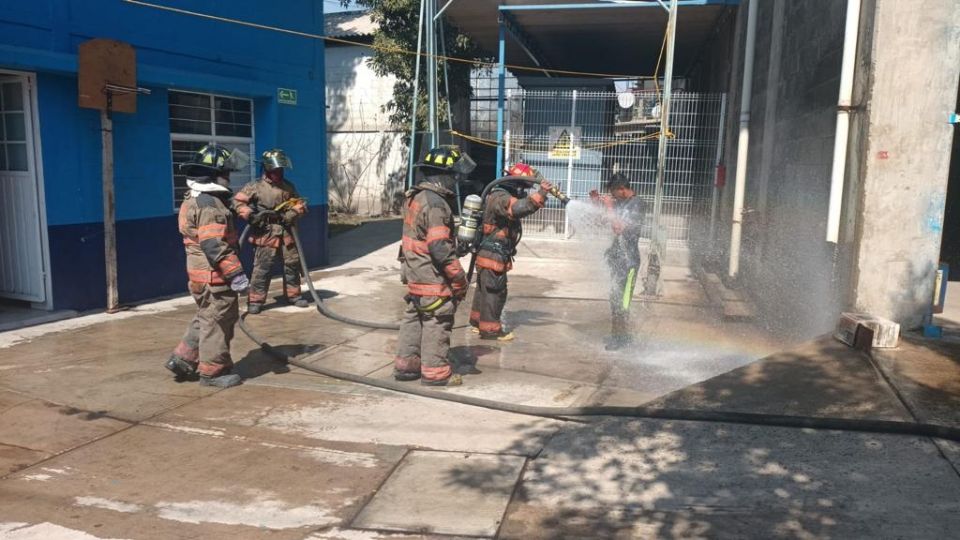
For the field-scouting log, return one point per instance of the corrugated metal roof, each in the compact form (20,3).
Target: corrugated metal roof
(349,24)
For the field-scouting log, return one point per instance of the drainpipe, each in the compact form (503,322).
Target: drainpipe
(850,37)
(743,143)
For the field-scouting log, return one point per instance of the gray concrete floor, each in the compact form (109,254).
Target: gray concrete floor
(97,441)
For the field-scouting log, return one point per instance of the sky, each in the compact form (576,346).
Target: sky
(332,6)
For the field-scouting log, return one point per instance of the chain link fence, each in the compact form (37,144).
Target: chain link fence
(577,139)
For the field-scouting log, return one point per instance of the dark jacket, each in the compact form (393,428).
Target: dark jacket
(629,214)
(502,229)
(428,259)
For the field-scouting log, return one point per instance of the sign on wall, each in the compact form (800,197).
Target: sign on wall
(287,96)
(564,142)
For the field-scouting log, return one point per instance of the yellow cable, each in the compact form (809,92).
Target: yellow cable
(535,148)
(382,48)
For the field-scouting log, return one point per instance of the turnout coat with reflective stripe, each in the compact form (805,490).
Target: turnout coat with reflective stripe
(267,195)
(210,239)
(501,227)
(428,258)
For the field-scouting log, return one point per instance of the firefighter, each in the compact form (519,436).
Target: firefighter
(625,214)
(213,268)
(505,206)
(271,206)
(435,280)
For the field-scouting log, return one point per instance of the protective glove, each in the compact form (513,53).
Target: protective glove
(545,186)
(594,195)
(240,282)
(290,217)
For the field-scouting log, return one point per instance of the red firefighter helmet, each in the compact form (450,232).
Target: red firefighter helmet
(522,169)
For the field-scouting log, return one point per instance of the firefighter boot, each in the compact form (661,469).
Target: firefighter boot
(452,380)
(182,370)
(224,380)
(301,302)
(254,308)
(501,336)
(404,376)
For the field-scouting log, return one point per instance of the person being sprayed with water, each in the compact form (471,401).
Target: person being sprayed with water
(504,208)
(625,215)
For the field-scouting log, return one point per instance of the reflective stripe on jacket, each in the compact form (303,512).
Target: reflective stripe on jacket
(428,259)
(209,239)
(265,195)
(502,229)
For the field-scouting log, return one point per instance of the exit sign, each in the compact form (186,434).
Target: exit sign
(287,96)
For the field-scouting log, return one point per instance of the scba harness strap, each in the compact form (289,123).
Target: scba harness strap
(433,306)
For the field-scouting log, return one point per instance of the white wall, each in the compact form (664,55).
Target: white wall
(366,158)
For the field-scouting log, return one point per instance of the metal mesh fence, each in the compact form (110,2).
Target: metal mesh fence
(578,139)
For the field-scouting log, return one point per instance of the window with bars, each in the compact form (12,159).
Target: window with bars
(199,119)
(13,128)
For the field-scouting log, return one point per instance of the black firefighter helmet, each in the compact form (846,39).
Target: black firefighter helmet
(447,159)
(213,160)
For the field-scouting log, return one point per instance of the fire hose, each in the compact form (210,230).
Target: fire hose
(891,427)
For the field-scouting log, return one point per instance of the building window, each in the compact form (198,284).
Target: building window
(198,119)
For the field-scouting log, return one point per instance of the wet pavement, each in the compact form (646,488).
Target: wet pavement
(97,441)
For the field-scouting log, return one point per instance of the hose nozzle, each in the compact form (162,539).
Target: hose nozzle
(560,196)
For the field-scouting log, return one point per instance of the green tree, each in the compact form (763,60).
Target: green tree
(397,23)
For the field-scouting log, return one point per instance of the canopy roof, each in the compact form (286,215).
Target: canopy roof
(590,35)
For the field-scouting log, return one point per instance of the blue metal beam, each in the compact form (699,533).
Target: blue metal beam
(526,43)
(632,5)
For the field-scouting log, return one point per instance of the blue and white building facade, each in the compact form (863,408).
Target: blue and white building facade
(210,81)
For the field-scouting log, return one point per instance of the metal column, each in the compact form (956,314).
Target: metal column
(502,77)
(658,245)
(411,158)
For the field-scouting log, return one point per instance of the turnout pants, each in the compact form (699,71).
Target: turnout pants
(425,337)
(621,295)
(262,265)
(488,301)
(207,339)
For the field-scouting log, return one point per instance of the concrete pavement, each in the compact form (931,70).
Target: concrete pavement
(97,441)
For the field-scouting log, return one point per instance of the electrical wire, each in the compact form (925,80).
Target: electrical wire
(381,48)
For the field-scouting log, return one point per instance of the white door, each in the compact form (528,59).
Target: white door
(22,268)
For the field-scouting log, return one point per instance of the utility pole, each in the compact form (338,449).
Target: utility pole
(432,70)
(658,244)
(411,157)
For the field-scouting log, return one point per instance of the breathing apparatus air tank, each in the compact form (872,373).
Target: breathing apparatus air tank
(470,218)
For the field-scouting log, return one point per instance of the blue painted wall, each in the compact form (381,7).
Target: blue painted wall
(174,51)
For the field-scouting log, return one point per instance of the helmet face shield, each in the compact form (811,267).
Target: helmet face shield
(449,159)
(237,161)
(465,165)
(276,159)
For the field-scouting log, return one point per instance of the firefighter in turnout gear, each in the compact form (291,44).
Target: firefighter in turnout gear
(435,280)
(625,214)
(213,268)
(505,206)
(271,206)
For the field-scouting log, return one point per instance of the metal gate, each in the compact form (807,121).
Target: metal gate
(578,139)
(22,269)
